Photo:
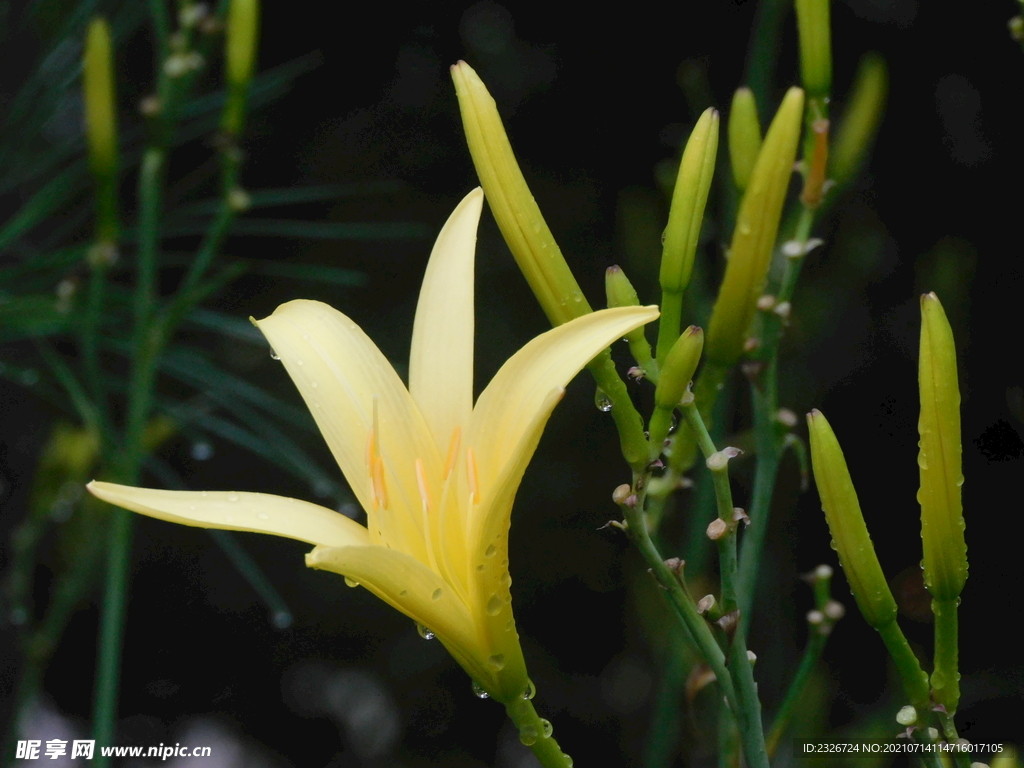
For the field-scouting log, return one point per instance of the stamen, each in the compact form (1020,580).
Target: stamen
(453,451)
(474,479)
(421,481)
(371,453)
(380,488)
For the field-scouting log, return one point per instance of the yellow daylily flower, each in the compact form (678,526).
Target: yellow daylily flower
(436,474)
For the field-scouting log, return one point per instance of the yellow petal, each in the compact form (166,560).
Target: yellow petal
(441,359)
(505,410)
(231,511)
(343,377)
(415,590)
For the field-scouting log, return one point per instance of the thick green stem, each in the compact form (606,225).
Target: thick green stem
(795,692)
(669,323)
(535,732)
(915,681)
(946,675)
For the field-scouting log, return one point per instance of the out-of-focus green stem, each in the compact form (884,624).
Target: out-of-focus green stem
(763,51)
(150,198)
(669,323)
(812,653)
(226,212)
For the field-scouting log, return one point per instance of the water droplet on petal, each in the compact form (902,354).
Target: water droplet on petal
(531,690)
(351,582)
(479,568)
(548,728)
(299,362)
(425,633)
(232,497)
(494,605)
(479,691)
(192,507)
(506,580)
(496,662)
(437,594)
(263,516)
(528,735)
(204,494)
(274,355)
(489,552)
(313,384)
(602,401)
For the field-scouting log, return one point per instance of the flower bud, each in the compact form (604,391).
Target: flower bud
(744,136)
(679,367)
(618,289)
(846,524)
(240,44)
(812,21)
(688,200)
(516,212)
(942,522)
(757,224)
(860,119)
(101,125)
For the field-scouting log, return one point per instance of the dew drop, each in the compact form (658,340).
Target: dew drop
(192,507)
(568,760)
(479,568)
(263,516)
(425,633)
(528,735)
(506,580)
(602,401)
(274,355)
(832,543)
(494,605)
(437,594)
(403,593)
(496,662)
(204,494)
(232,497)
(351,582)
(299,362)
(313,384)
(489,552)
(548,728)
(531,690)
(479,691)
(509,625)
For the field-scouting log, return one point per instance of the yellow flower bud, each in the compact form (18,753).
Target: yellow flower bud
(679,367)
(240,44)
(812,19)
(860,119)
(518,216)
(846,524)
(744,136)
(688,200)
(942,522)
(757,224)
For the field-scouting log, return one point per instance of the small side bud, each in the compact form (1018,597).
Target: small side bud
(717,528)
(739,514)
(815,617)
(621,494)
(786,417)
(618,290)
(834,610)
(744,136)
(678,369)
(751,657)
(907,715)
(719,460)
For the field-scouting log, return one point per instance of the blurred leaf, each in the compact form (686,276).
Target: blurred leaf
(265,198)
(310,230)
(28,316)
(312,272)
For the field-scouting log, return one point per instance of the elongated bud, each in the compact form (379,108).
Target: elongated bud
(240,44)
(744,136)
(679,367)
(757,225)
(860,119)
(101,125)
(518,216)
(942,522)
(812,20)
(688,201)
(846,524)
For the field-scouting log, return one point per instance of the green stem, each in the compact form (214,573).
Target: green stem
(664,729)
(535,732)
(795,692)
(962,759)
(150,199)
(627,420)
(669,323)
(915,681)
(218,230)
(763,51)
(945,675)
(90,330)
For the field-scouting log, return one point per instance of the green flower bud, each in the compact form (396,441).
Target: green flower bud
(240,45)
(744,136)
(812,20)
(518,216)
(618,289)
(757,225)
(101,125)
(860,119)
(679,367)
(846,524)
(942,522)
(688,200)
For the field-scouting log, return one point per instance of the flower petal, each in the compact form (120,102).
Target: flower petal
(441,359)
(505,410)
(231,511)
(415,590)
(344,378)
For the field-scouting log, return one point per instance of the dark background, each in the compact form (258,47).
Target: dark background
(593,102)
